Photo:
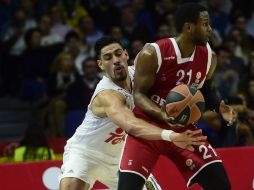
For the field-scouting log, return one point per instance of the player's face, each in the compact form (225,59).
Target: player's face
(202,29)
(113,60)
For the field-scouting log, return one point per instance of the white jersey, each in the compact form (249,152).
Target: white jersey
(101,135)
(93,152)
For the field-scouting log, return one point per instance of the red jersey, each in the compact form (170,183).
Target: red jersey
(174,70)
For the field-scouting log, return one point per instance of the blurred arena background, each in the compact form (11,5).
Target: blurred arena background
(48,73)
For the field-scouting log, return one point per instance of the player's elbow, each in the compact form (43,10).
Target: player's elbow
(130,129)
(137,98)
(135,129)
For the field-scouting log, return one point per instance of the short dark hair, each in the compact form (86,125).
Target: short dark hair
(29,34)
(71,34)
(188,12)
(102,42)
(87,59)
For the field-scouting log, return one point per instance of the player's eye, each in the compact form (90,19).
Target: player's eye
(107,56)
(118,52)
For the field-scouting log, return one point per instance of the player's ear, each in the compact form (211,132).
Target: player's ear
(188,27)
(100,64)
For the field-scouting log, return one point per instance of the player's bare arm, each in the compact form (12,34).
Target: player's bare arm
(212,67)
(145,73)
(113,105)
(226,111)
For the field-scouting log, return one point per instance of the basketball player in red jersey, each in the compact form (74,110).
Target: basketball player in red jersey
(160,66)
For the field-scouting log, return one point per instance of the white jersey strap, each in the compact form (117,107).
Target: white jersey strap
(158,53)
(209,62)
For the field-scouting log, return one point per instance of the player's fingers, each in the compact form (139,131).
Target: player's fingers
(175,125)
(234,116)
(190,148)
(163,107)
(222,102)
(198,143)
(200,138)
(172,123)
(178,125)
(229,123)
(170,119)
(197,138)
(195,132)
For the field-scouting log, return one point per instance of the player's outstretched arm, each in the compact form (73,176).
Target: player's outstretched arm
(113,105)
(209,90)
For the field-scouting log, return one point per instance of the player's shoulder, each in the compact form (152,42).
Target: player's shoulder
(107,87)
(105,97)
(159,45)
(164,45)
(105,84)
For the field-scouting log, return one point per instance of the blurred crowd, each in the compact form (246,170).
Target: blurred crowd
(47,56)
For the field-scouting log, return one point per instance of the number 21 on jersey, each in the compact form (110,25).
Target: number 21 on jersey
(205,151)
(181,74)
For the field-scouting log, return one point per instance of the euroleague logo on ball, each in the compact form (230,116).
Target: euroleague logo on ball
(183,119)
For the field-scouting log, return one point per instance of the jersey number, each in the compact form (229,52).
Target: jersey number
(157,99)
(181,74)
(203,149)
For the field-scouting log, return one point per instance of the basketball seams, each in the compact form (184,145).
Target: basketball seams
(179,111)
(187,98)
(184,103)
(194,110)
(181,93)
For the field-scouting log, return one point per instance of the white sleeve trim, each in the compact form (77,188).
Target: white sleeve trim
(135,61)
(209,59)
(158,53)
(209,62)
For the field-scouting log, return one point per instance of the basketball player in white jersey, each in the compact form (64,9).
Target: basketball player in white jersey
(93,152)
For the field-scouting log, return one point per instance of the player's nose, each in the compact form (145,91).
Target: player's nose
(209,29)
(116,59)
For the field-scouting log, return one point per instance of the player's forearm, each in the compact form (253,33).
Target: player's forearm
(144,130)
(211,95)
(147,105)
(137,127)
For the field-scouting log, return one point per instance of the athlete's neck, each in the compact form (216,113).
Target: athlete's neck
(186,46)
(126,84)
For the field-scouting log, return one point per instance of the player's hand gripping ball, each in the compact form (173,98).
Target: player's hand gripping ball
(185,103)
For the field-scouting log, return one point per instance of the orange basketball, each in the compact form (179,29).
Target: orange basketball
(185,103)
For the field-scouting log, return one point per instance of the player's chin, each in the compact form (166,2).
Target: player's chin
(121,77)
(206,40)
(203,42)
